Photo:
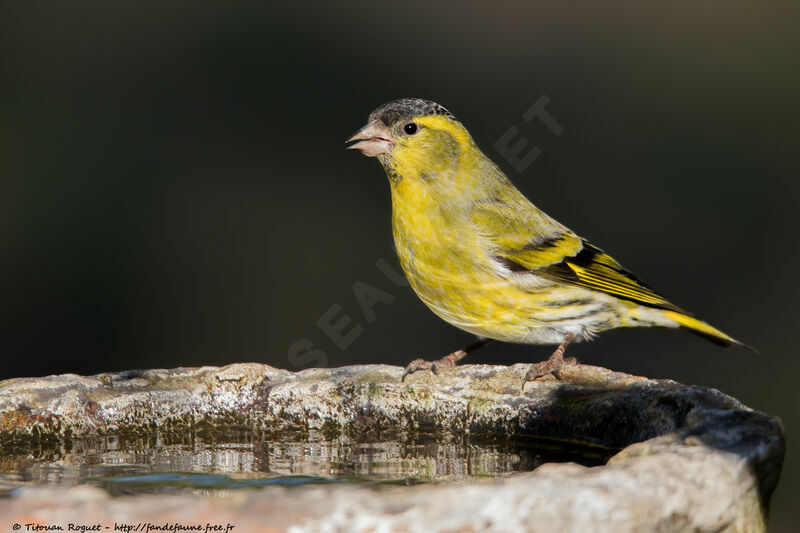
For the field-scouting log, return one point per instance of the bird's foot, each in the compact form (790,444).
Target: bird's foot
(552,366)
(448,361)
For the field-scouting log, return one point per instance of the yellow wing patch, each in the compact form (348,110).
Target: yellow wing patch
(556,253)
(594,269)
(513,242)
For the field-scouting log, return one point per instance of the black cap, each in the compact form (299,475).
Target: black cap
(406,109)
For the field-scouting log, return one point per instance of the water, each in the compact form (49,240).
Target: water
(190,464)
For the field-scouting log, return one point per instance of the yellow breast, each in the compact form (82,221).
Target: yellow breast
(441,256)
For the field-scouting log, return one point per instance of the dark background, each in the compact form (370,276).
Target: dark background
(175,189)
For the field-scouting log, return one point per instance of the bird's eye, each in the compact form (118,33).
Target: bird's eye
(410,128)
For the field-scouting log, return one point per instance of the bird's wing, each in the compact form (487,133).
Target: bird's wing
(594,269)
(522,237)
(558,254)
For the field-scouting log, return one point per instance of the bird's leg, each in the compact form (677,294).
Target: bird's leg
(552,365)
(449,360)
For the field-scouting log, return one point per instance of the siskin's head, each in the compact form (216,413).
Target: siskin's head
(414,139)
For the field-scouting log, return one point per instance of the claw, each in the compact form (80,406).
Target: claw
(415,365)
(552,366)
(544,368)
(449,360)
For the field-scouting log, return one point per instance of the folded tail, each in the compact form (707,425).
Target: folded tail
(705,330)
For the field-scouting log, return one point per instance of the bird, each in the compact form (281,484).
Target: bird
(483,258)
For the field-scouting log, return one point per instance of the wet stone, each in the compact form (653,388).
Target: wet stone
(356,449)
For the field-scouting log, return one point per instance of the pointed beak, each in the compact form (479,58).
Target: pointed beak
(373,139)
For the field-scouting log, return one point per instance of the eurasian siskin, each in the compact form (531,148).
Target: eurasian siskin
(485,259)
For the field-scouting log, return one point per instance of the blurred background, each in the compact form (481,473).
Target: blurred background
(175,190)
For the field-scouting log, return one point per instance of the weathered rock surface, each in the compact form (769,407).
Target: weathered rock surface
(691,459)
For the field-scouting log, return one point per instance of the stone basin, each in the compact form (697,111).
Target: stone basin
(604,451)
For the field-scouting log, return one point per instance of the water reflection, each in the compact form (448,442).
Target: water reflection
(156,463)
